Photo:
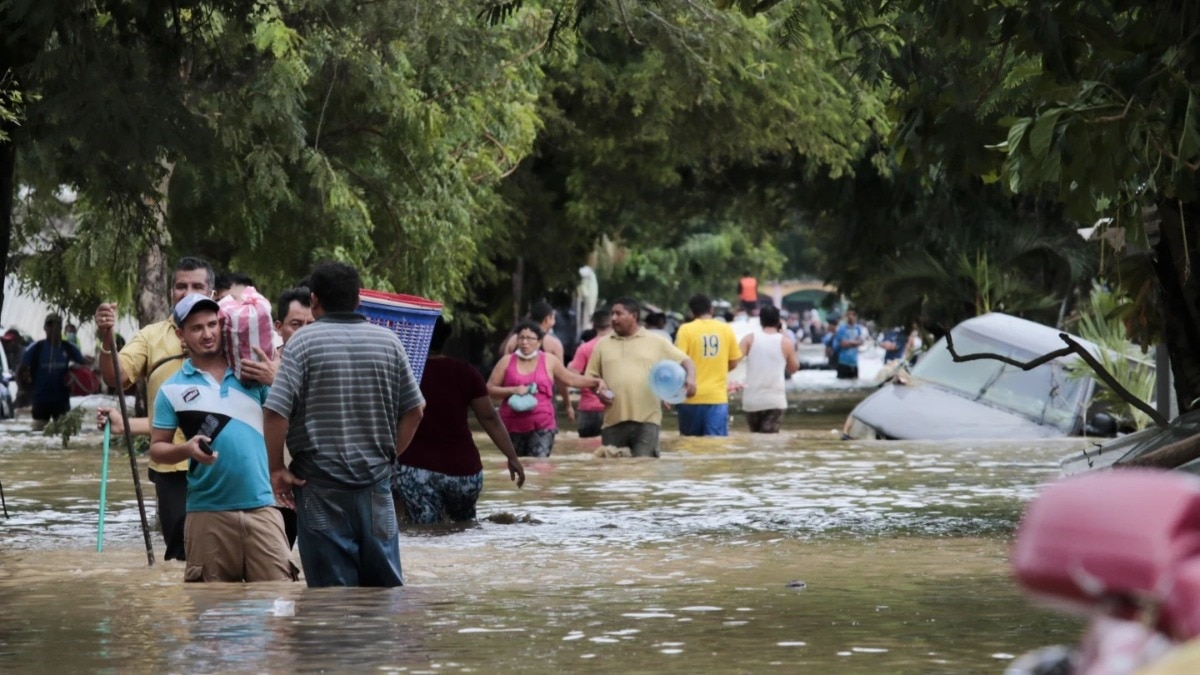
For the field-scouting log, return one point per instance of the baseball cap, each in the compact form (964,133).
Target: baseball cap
(190,303)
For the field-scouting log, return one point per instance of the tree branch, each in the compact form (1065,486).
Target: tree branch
(1167,457)
(519,59)
(625,22)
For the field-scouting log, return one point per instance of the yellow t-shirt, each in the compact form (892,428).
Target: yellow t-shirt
(711,345)
(625,363)
(152,344)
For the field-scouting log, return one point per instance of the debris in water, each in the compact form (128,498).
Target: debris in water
(798,585)
(506,518)
(610,451)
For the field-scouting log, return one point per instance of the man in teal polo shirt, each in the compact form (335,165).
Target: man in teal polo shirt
(232,531)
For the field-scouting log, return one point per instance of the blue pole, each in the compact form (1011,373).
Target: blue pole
(103,486)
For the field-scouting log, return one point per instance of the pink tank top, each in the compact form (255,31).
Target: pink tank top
(542,416)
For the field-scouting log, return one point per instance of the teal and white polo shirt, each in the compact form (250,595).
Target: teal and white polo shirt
(231,414)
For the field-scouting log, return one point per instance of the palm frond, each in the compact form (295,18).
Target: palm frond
(500,12)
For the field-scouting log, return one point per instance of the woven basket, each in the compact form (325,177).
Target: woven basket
(411,318)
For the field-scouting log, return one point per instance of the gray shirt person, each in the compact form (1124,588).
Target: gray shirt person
(345,402)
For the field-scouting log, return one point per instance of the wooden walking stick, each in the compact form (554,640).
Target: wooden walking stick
(137,483)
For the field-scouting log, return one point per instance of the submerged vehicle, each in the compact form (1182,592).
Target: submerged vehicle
(986,399)
(1131,446)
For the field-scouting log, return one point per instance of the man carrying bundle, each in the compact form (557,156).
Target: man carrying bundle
(232,533)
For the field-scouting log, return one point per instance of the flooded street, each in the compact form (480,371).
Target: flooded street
(743,554)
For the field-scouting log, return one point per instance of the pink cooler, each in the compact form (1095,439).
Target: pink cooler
(1118,535)
(1181,610)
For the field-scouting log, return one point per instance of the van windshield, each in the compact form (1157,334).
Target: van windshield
(1047,394)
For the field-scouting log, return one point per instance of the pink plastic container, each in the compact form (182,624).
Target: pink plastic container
(245,324)
(1116,537)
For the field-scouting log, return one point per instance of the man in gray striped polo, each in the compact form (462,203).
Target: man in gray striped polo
(346,402)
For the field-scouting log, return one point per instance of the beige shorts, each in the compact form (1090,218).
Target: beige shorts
(236,546)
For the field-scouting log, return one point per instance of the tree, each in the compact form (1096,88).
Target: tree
(115,140)
(291,132)
(1090,103)
(653,114)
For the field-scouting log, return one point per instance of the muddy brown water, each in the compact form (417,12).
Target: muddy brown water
(796,552)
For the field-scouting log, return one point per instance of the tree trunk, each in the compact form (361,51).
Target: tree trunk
(518,283)
(8,186)
(152,286)
(1177,264)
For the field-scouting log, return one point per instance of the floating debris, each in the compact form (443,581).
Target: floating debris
(506,518)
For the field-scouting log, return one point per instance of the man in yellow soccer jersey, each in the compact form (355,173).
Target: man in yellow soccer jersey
(713,347)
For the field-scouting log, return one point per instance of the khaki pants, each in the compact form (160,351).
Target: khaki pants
(236,546)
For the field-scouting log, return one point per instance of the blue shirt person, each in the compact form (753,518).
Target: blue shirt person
(45,366)
(231,532)
(894,342)
(847,341)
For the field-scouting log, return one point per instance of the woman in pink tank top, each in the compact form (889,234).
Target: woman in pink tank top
(529,370)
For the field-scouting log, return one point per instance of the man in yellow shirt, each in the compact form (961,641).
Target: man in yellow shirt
(155,354)
(712,345)
(623,359)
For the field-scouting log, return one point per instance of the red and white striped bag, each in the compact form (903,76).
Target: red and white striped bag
(246,323)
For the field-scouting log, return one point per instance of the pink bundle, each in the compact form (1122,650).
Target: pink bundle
(246,323)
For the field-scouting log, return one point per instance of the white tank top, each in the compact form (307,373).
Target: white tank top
(765,374)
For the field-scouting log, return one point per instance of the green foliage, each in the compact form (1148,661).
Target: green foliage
(1002,275)
(1101,320)
(1089,103)
(66,426)
(289,133)
(664,125)
(697,260)
(12,102)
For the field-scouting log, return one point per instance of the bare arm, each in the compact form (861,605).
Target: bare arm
(746,343)
(510,345)
(566,376)
(555,348)
(690,369)
(494,426)
(409,422)
(138,426)
(789,353)
(275,427)
(495,381)
(164,450)
(106,317)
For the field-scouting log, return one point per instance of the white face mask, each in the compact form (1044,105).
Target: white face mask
(528,357)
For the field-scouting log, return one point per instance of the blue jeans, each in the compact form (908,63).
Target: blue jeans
(348,536)
(703,419)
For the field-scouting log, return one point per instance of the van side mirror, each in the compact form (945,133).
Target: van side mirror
(1102,424)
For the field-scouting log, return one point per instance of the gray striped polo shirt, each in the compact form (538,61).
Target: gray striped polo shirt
(343,386)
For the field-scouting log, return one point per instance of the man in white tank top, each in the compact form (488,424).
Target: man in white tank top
(770,359)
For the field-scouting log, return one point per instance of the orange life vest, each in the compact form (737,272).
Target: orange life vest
(749,289)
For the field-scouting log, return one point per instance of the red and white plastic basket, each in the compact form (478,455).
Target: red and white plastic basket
(410,317)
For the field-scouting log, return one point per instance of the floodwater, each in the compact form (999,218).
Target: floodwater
(746,554)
